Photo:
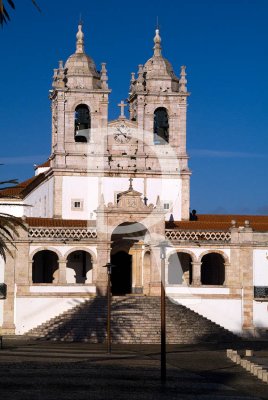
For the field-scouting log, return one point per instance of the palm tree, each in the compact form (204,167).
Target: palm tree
(9,225)
(4,14)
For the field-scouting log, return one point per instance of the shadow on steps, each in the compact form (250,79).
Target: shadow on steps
(134,320)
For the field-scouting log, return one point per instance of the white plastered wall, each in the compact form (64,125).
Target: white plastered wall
(40,201)
(33,311)
(260,314)
(224,312)
(260,278)
(260,267)
(17,208)
(79,188)
(89,189)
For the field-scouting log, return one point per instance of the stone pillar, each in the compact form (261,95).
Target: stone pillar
(57,196)
(62,272)
(242,272)
(196,274)
(246,260)
(136,252)
(185,196)
(103,257)
(94,270)
(227,280)
(8,327)
(146,269)
(155,283)
(30,272)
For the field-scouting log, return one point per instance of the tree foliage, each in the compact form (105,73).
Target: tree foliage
(9,225)
(4,10)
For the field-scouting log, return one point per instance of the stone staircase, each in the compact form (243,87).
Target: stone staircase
(135,319)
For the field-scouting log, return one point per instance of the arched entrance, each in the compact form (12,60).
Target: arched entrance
(180,269)
(45,267)
(127,239)
(212,269)
(79,267)
(121,278)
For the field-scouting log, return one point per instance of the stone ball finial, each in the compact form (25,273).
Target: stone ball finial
(247,223)
(80,34)
(157,43)
(233,223)
(80,40)
(157,38)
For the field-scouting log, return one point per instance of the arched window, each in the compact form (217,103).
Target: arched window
(161,126)
(45,267)
(212,269)
(180,269)
(79,267)
(82,123)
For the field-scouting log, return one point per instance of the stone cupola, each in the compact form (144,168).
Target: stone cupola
(79,71)
(157,74)
(79,109)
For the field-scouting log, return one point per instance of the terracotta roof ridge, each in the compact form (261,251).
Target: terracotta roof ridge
(44,164)
(58,222)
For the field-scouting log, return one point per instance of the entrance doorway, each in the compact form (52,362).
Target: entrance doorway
(121,277)
(123,238)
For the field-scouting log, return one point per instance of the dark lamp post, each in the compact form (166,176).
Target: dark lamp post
(163,245)
(109,272)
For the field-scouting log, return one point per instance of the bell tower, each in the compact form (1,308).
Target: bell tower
(158,104)
(79,109)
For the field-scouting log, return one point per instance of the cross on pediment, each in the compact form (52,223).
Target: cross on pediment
(130,184)
(122,105)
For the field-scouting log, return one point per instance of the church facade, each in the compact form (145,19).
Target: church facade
(112,191)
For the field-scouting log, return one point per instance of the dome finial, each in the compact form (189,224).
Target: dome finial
(80,39)
(157,42)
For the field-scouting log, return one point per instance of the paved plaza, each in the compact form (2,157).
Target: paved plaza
(54,371)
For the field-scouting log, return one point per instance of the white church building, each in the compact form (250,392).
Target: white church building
(111,191)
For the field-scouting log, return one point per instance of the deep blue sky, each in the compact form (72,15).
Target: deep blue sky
(223,43)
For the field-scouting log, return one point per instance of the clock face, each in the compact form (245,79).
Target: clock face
(122,134)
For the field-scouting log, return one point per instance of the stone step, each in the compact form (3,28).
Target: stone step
(134,320)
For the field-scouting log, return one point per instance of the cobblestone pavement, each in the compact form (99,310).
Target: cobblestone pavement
(61,371)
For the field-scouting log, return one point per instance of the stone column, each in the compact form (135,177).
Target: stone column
(60,136)
(57,193)
(62,272)
(21,259)
(227,279)
(8,327)
(136,252)
(94,275)
(185,196)
(196,274)
(242,260)
(155,284)
(30,272)
(146,269)
(103,257)
(246,260)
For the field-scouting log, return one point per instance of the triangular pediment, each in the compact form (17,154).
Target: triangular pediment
(131,199)
(123,121)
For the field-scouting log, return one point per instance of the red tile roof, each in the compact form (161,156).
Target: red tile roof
(229,217)
(59,223)
(223,223)
(216,222)
(44,164)
(20,190)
